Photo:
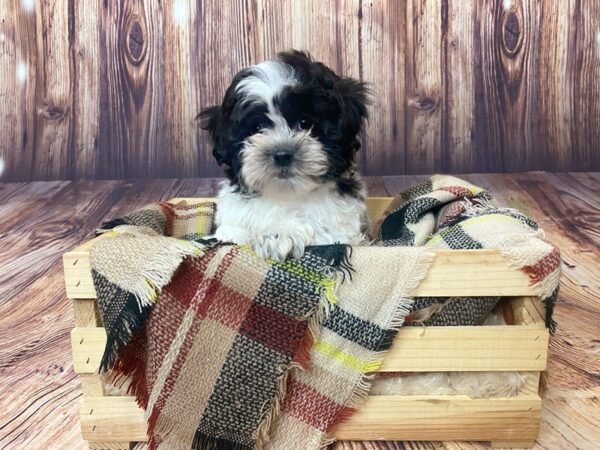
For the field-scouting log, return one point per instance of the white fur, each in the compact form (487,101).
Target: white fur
(278,227)
(268,79)
(472,384)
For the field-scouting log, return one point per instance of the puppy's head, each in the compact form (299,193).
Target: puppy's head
(286,126)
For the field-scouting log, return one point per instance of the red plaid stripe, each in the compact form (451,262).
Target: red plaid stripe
(450,212)
(173,213)
(184,284)
(458,191)
(545,266)
(310,406)
(273,329)
(171,379)
(228,307)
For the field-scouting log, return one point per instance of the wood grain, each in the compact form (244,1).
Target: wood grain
(424,89)
(40,221)
(109,90)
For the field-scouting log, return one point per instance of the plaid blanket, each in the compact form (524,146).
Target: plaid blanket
(447,212)
(213,352)
(225,350)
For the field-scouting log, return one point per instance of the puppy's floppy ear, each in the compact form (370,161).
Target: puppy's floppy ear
(211,120)
(356,97)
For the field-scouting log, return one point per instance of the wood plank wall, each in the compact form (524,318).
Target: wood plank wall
(110,89)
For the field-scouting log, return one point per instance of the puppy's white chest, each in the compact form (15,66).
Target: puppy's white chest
(318,218)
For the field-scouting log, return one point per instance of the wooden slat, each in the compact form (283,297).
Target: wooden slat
(112,419)
(431,417)
(493,348)
(531,385)
(84,311)
(91,385)
(529,310)
(88,347)
(445,418)
(490,348)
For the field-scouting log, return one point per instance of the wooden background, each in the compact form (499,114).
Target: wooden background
(110,88)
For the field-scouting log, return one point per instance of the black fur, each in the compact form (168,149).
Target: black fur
(334,107)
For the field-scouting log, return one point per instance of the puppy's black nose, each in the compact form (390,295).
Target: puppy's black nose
(283,158)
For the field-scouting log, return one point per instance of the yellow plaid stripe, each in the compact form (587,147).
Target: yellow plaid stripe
(352,362)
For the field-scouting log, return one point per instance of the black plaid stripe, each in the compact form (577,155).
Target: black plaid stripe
(287,292)
(421,188)
(457,238)
(518,216)
(361,332)
(394,227)
(150,218)
(121,316)
(246,385)
(109,310)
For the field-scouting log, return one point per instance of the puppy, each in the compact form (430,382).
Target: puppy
(286,133)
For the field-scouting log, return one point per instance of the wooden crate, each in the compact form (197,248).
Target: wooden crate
(115,422)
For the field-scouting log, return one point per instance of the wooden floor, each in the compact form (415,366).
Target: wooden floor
(39,391)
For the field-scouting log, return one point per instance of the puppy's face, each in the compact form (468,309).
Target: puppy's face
(286,126)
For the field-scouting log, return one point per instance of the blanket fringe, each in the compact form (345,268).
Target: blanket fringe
(540,286)
(120,335)
(159,271)
(129,366)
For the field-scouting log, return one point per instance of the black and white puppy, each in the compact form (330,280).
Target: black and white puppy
(287,133)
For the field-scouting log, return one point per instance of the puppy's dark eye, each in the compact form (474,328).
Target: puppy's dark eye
(258,126)
(305,124)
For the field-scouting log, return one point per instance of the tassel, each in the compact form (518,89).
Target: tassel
(128,321)
(549,303)
(106,226)
(337,255)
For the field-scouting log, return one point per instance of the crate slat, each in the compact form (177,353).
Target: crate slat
(112,419)
(431,417)
(443,418)
(416,349)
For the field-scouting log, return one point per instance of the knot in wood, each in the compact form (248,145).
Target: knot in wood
(511,33)
(53,112)
(135,42)
(426,103)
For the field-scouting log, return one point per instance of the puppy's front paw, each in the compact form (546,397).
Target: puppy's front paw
(279,246)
